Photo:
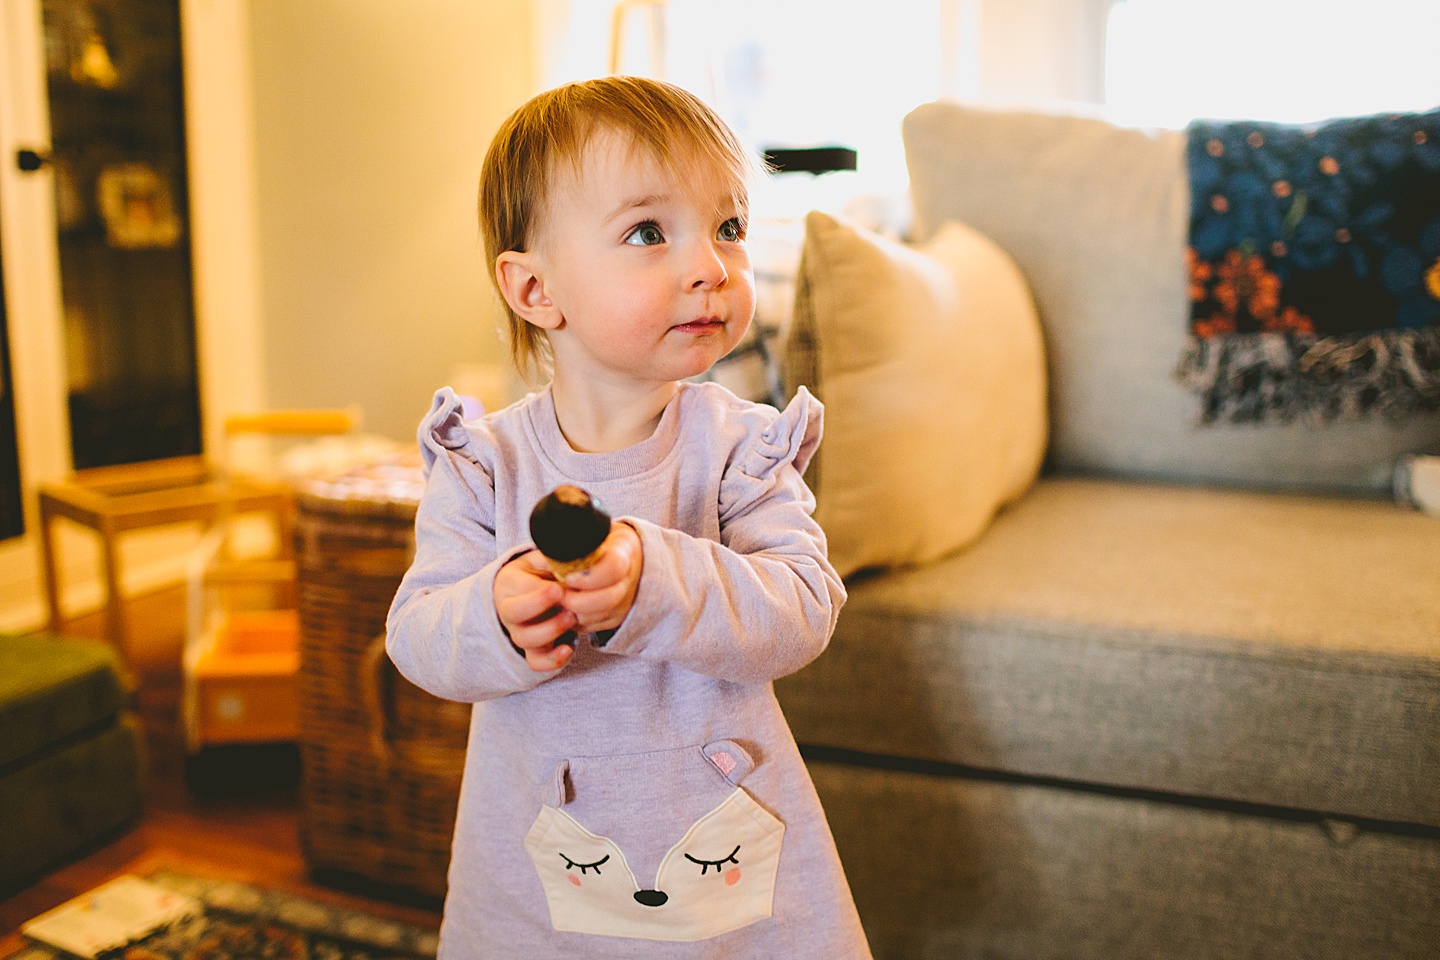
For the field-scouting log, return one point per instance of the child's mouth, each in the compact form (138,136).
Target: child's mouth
(702,325)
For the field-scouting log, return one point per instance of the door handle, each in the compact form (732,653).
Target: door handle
(30,160)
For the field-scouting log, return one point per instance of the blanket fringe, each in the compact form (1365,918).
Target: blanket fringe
(1284,377)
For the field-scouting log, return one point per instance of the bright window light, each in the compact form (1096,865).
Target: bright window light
(788,72)
(1292,61)
(801,73)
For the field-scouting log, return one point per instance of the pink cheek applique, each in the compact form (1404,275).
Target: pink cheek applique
(576,880)
(733,877)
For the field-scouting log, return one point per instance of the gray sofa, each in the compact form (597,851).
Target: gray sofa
(1181,696)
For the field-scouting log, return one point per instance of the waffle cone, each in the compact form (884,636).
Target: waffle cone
(564,568)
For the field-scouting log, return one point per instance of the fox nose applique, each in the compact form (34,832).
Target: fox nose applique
(651,898)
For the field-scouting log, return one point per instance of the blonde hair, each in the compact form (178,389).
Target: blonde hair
(672,125)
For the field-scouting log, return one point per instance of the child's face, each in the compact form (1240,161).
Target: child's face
(650,275)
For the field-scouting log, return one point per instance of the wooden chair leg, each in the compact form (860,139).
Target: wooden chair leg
(50,554)
(280,510)
(114,595)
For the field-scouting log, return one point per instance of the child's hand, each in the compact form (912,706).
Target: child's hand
(601,595)
(528,602)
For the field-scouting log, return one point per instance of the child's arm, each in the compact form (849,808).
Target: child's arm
(762,602)
(748,611)
(444,633)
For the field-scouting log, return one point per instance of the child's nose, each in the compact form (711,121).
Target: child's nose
(708,269)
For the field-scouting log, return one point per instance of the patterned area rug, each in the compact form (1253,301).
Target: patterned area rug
(241,922)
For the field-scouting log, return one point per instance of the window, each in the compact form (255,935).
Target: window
(1294,61)
(785,72)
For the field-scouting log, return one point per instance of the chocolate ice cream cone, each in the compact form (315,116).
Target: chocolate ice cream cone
(568,528)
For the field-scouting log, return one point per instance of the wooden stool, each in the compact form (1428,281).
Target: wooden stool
(114,500)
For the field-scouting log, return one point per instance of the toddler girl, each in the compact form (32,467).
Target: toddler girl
(631,788)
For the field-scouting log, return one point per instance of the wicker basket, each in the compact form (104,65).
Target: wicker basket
(382,759)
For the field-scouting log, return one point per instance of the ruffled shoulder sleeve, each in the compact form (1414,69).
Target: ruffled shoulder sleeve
(782,449)
(443,429)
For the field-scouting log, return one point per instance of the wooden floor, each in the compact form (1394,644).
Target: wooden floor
(232,814)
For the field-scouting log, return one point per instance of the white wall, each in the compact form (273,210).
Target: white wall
(371,120)
(1038,51)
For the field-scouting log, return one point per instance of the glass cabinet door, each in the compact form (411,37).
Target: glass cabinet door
(118,155)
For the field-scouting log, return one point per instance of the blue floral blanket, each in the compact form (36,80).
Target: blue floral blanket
(1314,261)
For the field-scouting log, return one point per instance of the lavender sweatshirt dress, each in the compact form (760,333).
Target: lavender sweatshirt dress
(647,799)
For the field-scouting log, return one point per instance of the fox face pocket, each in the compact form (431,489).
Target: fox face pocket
(718,876)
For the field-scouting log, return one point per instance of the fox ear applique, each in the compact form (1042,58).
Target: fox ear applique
(732,760)
(557,790)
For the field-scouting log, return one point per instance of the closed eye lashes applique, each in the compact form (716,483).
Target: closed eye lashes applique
(586,867)
(705,865)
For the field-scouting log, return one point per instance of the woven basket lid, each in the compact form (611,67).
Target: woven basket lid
(388,486)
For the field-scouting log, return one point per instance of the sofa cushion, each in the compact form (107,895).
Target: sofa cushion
(53,688)
(1263,648)
(930,364)
(966,867)
(66,798)
(1097,217)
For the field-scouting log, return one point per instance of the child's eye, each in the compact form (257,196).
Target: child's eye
(586,867)
(731,230)
(705,865)
(645,234)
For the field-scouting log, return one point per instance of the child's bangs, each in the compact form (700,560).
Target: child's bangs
(686,157)
(668,124)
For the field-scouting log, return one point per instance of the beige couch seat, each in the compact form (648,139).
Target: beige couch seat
(1252,647)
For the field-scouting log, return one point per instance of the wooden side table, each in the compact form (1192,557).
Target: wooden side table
(114,500)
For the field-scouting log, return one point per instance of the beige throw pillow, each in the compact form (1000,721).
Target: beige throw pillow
(1097,217)
(931,366)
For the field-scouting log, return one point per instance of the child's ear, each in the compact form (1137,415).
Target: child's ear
(517,275)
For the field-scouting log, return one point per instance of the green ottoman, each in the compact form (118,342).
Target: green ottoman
(71,756)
